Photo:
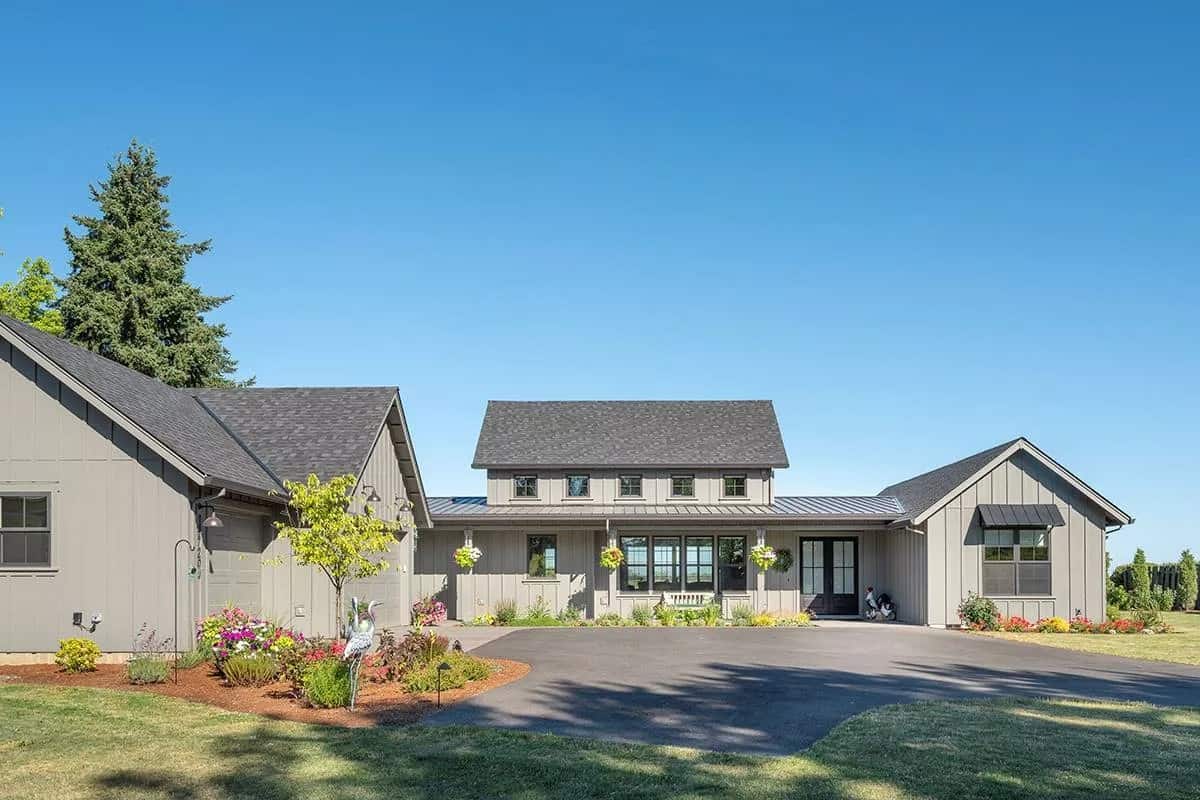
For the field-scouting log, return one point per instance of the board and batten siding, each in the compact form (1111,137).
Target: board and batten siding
(955,545)
(903,573)
(502,572)
(116,511)
(289,587)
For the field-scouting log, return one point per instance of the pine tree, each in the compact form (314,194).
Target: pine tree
(127,296)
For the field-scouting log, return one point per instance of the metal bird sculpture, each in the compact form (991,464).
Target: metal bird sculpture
(360,637)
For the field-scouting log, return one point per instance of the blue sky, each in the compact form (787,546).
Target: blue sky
(921,229)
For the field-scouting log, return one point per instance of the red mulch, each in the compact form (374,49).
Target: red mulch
(377,704)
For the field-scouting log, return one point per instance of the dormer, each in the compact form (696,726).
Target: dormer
(640,452)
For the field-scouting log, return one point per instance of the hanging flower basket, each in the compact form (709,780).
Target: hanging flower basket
(467,555)
(763,556)
(612,557)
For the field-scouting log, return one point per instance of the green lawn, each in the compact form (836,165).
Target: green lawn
(76,743)
(1182,647)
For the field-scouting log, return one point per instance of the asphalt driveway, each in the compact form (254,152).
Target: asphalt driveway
(775,691)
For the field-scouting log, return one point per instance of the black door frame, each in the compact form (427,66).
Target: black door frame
(827,578)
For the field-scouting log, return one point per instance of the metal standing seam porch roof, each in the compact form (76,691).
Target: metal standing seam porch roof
(868,508)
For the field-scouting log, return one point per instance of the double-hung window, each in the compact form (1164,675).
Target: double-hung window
(525,486)
(1016,562)
(25,530)
(683,486)
(579,486)
(733,485)
(630,485)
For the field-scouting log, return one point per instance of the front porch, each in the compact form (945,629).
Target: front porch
(821,570)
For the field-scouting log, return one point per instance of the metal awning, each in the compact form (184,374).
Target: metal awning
(998,515)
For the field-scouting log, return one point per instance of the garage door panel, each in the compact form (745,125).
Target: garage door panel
(235,564)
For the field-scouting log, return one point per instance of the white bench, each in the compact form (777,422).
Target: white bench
(687,599)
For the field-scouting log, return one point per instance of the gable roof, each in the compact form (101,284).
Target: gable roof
(630,433)
(169,420)
(926,493)
(297,431)
(250,439)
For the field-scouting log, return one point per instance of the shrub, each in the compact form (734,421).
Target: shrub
(484,619)
(610,619)
(1141,580)
(711,614)
(77,654)
(428,611)
(463,668)
(641,614)
(1162,598)
(742,614)
(143,669)
(327,683)
(505,611)
(801,619)
(1015,624)
(666,615)
(570,616)
(979,613)
(250,669)
(1147,616)
(192,658)
(763,620)
(148,664)
(1118,596)
(1185,595)
(1053,625)
(540,610)
(1081,624)
(1112,612)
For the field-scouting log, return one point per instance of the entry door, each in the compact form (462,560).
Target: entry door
(829,575)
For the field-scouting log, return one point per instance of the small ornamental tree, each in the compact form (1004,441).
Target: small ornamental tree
(325,534)
(1185,595)
(1141,580)
(31,296)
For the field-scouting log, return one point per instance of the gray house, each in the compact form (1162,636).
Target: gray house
(111,485)
(141,503)
(686,489)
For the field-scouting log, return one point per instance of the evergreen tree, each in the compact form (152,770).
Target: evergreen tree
(1185,595)
(1141,580)
(29,297)
(127,296)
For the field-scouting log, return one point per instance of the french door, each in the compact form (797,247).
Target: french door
(829,575)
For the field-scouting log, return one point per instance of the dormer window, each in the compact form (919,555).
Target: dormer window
(578,486)
(525,486)
(733,485)
(683,486)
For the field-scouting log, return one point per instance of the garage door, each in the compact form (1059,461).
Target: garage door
(235,564)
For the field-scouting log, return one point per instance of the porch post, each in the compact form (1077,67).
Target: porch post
(760,576)
(466,601)
(612,573)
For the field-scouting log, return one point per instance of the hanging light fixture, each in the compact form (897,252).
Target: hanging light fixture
(212,520)
(373,497)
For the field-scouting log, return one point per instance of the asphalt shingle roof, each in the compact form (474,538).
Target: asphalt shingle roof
(918,494)
(252,437)
(168,414)
(629,433)
(329,431)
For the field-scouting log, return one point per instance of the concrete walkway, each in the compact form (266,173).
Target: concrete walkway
(763,690)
